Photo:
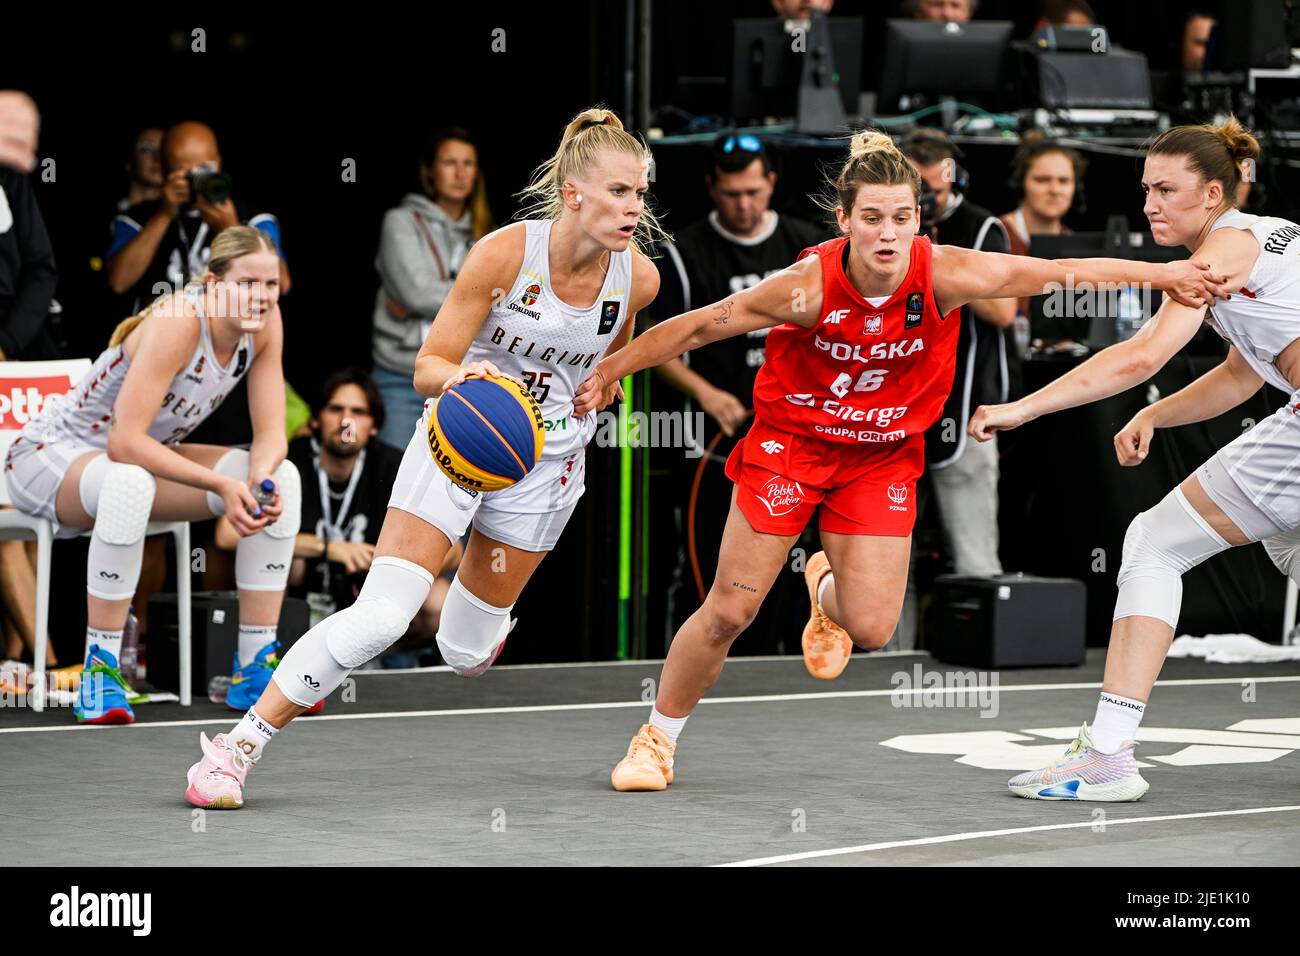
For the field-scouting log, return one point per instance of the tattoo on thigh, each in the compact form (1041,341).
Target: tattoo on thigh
(744,587)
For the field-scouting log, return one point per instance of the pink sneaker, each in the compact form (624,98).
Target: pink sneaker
(217,781)
(478,669)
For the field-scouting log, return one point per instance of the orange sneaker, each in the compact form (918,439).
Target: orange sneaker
(648,764)
(826,645)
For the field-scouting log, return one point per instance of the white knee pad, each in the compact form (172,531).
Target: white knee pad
(1162,544)
(470,629)
(394,591)
(262,560)
(120,498)
(393,594)
(1282,549)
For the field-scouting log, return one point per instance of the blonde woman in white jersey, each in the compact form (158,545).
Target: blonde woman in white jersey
(1248,491)
(543,301)
(107,458)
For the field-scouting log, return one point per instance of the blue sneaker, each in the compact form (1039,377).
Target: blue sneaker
(248,682)
(102,696)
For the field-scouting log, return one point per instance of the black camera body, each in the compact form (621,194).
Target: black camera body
(210,183)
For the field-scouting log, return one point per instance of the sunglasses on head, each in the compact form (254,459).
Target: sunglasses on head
(746,142)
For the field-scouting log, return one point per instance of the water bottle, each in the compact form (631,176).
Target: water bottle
(1020,330)
(128,664)
(264,492)
(217,688)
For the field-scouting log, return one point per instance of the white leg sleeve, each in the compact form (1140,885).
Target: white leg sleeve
(119,497)
(262,560)
(1162,545)
(394,592)
(469,629)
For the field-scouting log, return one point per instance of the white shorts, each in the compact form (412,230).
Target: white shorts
(1264,464)
(529,515)
(34,471)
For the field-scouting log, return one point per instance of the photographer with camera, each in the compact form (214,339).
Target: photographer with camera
(166,240)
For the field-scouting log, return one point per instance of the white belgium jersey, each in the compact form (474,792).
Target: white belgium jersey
(550,345)
(1263,318)
(83,416)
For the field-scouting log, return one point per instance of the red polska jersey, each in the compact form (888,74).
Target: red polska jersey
(864,373)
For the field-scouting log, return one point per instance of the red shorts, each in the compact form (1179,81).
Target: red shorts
(781,479)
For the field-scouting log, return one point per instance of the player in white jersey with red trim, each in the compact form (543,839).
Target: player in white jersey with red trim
(543,301)
(1248,491)
(106,458)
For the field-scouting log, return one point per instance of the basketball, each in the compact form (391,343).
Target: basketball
(486,433)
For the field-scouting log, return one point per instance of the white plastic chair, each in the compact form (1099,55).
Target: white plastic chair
(46,377)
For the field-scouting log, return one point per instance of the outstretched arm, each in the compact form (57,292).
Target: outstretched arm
(962,276)
(791,295)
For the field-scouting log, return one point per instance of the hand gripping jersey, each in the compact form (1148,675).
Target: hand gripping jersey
(550,345)
(1263,318)
(864,373)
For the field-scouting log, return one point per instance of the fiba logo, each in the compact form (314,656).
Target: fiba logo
(780,496)
(897,492)
(530,294)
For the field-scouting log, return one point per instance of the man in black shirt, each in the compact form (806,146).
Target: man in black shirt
(964,473)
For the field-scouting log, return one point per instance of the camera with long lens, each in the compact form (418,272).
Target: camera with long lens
(210,183)
(929,205)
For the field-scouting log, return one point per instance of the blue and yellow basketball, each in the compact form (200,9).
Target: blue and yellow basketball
(486,433)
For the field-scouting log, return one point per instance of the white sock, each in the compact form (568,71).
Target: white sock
(252,638)
(1116,722)
(671,726)
(250,735)
(822,585)
(110,641)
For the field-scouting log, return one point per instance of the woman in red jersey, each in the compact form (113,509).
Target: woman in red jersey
(859,363)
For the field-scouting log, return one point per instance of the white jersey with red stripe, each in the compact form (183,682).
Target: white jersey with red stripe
(532,335)
(83,416)
(1263,317)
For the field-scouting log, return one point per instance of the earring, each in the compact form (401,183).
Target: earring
(579,197)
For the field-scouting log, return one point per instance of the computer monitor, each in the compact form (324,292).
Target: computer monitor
(1096,317)
(942,59)
(767,68)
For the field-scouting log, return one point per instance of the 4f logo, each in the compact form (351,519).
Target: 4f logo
(836,317)
(772,447)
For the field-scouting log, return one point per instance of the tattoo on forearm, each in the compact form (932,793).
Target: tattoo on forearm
(744,587)
(723,310)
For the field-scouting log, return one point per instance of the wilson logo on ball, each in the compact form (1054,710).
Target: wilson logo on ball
(485,434)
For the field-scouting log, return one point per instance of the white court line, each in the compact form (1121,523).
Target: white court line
(985,834)
(614,705)
(756,658)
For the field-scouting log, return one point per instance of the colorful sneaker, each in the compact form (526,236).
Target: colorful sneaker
(217,781)
(102,695)
(248,682)
(648,764)
(1084,774)
(826,646)
(478,669)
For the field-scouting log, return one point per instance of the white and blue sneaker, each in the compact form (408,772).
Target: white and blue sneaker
(1084,773)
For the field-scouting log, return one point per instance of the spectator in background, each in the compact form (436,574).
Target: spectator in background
(739,243)
(144,168)
(964,473)
(28,274)
(944,11)
(423,242)
(27,280)
(347,478)
(1047,177)
(1065,13)
(1196,37)
(800,11)
(166,240)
